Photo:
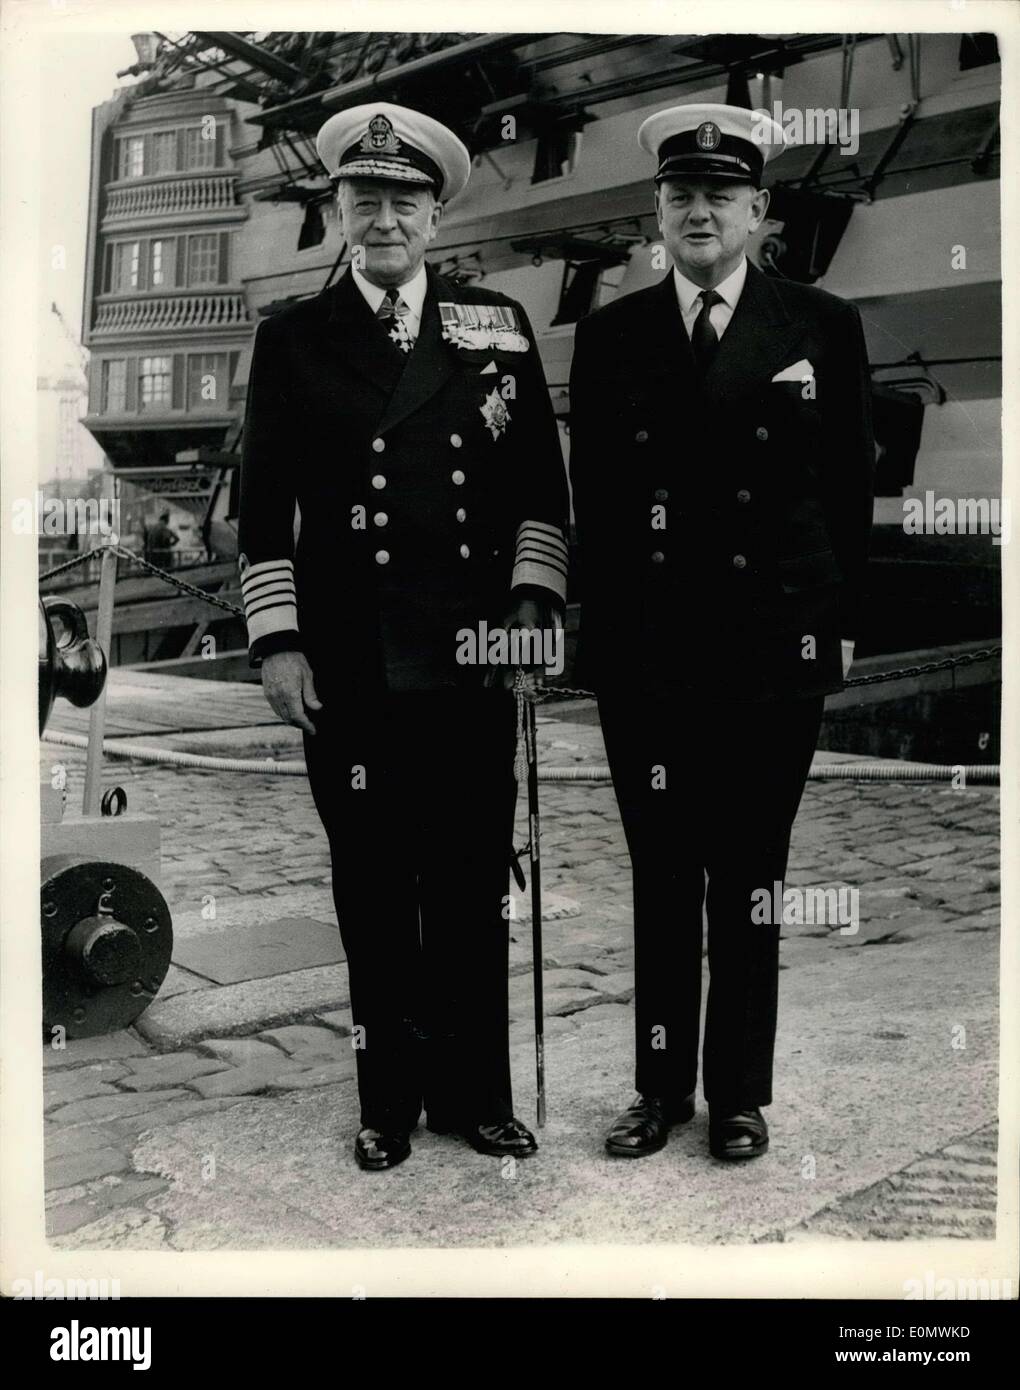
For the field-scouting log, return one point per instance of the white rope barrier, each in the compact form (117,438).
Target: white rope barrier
(986,774)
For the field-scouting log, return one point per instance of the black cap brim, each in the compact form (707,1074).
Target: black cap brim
(707,167)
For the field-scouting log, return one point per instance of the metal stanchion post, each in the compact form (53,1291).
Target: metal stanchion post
(97,713)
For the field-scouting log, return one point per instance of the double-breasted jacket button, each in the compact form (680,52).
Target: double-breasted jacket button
(378,445)
(465,552)
(378,481)
(381,519)
(657,557)
(743,495)
(641,437)
(382,557)
(761,433)
(740,562)
(461,514)
(456,440)
(661,494)
(457,476)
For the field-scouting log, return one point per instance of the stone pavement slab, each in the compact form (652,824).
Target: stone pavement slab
(156,1073)
(331,1073)
(244,1081)
(243,1008)
(273,946)
(307,1042)
(98,1109)
(76,1052)
(340,1020)
(96,1201)
(91,1163)
(240,1052)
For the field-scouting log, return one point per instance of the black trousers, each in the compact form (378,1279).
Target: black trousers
(708,791)
(416,794)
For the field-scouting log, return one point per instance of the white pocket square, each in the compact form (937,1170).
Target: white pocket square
(797,372)
(485,370)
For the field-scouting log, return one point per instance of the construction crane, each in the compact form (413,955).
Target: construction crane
(80,352)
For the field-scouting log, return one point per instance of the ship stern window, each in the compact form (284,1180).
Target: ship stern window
(131,163)
(164,152)
(199,148)
(161,264)
(155,382)
(203,259)
(114,386)
(126,265)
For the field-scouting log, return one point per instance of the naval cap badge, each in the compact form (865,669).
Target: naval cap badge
(708,136)
(380,137)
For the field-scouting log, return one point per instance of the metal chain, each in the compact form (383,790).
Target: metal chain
(70,564)
(542,696)
(165,575)
(181,584)
(566,692)
(946,664)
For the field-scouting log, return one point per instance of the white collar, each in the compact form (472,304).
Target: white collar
(729,289)
(413,293)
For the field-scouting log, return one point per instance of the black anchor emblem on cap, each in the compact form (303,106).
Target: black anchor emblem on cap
(708,136)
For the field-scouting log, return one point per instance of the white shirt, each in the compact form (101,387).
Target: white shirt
(413,295)
(730,289)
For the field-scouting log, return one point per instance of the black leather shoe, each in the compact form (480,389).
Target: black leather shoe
(375,1150)
(644,1127)
(504,1139)
(738,1136)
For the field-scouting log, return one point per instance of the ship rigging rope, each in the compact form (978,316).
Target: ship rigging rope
(596,773)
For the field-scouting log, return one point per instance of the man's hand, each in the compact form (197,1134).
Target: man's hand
(527,615)
(289,688)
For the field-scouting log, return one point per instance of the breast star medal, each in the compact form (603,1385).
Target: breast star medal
(495,413)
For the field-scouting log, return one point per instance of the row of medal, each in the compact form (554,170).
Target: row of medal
(483,327)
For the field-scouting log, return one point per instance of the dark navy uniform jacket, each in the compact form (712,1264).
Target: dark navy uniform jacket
(429,488)
(722,524)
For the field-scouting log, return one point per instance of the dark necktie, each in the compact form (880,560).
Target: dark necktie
(704,338)
(392,313)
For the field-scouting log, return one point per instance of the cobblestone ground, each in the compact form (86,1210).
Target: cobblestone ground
(925,858)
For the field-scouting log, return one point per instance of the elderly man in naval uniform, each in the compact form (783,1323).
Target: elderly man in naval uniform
(721,465)
(408,419)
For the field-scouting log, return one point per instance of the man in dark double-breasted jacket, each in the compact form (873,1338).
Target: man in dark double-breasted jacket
(721,467)
(409,421)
